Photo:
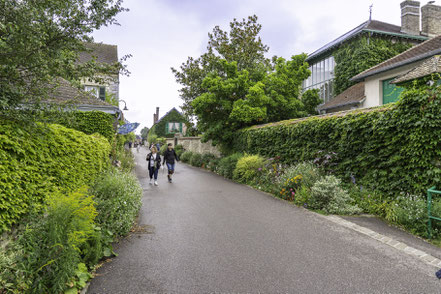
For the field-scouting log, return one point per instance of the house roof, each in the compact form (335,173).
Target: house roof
(419,52)
(104,53)
(351,96)
(428,67)
(65,93)
(371,26)
(174,108)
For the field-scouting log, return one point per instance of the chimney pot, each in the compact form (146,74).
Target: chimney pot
(431,20)
(410,17)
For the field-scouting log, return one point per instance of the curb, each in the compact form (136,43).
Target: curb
(421,255)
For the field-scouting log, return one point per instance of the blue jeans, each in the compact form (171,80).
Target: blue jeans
(171,167)
(153,172)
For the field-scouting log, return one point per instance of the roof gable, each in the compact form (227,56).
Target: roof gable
(168,112)
(371,26)
(428,67)
(419,52)
(104,53)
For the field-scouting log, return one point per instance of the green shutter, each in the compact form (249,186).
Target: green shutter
(391,92)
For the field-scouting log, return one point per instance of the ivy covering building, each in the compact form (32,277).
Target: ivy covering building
(168,125)
(372,42)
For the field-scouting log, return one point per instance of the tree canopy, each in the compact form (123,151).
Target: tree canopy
(41,41)
(233,84)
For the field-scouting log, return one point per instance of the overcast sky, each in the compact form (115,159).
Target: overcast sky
(161,34)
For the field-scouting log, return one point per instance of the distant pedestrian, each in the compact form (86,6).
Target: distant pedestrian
(170,157)
(154,160)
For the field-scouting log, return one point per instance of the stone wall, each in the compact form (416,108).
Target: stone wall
(194,144)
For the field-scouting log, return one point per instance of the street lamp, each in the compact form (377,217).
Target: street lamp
(125,105)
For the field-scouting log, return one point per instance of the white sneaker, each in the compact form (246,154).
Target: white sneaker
(156,183)
(151,181)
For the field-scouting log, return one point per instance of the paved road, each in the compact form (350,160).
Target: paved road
(214,236)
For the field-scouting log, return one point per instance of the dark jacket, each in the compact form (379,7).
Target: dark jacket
(170,156)
(157,161)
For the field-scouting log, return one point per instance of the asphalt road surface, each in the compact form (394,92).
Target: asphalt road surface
(206,234)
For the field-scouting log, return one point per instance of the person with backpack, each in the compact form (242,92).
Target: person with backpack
(170,157)
(154,163)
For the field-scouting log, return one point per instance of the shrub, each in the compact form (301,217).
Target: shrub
(206,158)
(327,195)
(38,160)
(247,168)
(310,174)
(410,211)
(179,149)
(126,159)
(50,247)
(162,149)
(213,164)
(228,164)
(186,156)
(196,160)
(118,199)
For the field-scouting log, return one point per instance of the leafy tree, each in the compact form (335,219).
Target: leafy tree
(144,133)
(311,100)
(283,87)
(233,99)
(41,40)
(242,45)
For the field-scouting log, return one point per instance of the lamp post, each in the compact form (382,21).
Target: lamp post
(125,105)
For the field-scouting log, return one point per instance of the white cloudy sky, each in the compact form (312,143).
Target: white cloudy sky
(162,33)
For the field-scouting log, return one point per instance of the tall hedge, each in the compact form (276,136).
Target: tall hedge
(391,149)
(34,161)
(88,122)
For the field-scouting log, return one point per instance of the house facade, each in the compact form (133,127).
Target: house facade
(382,81)
(109,84)
(322,62)
(170,124)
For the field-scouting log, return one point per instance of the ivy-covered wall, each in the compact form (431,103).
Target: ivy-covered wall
(159,129)
(38,160)
(360,54)
(391,149)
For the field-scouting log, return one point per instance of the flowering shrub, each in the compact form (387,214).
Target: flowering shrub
(290,187)
(196,160)
(327,195)
(247,168)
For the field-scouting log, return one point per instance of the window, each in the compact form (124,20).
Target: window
(173,127)
(97,91)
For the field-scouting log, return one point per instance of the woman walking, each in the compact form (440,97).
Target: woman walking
(154,160)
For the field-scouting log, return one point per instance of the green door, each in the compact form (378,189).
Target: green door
(391,93)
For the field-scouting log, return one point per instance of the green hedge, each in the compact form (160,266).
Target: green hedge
(88,122)
(390,149)
(35,161)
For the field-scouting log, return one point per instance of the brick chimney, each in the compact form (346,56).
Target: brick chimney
(431,19)
(156,116)
(410,17)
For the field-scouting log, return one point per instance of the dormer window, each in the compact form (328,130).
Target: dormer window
(97,91)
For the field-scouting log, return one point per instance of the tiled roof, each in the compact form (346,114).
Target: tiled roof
(428,67)
(373,26)
(65,93)
(419,52)
(351,96)
(103,53)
